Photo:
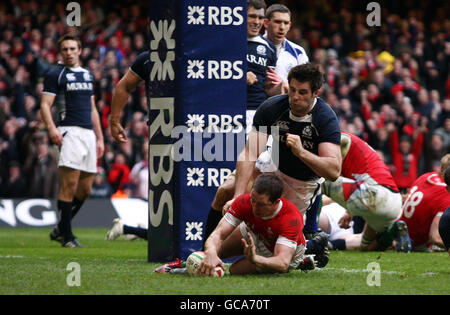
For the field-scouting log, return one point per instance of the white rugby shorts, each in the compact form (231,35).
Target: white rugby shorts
(378,205)
(334,212)
(262,250)
(301,193)
(78,150)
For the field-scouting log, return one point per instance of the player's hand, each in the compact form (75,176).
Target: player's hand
(251,78)
(227,206)
(249,248)
(272,78)
(344,221)
(55,136)
(118,132)
(100,148)
(209,264)
(295,143)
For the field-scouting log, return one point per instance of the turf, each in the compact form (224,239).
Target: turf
(31,264)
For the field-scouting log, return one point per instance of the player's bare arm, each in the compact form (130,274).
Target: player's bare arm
(251,78)
(274,83)
(97,129)
(46,105)
(246,163)
(119,99)
(327,164)
(278,263)
(212,247)
(435,237)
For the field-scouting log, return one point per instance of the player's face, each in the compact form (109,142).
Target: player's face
(261,205)
(301,99)
(255,20)
(277,27)
(70,52)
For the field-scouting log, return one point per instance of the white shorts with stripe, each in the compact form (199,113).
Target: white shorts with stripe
(301,193)
(262,250)
(378,205)
(78,150)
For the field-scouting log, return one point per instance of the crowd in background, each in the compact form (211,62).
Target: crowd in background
(388,84)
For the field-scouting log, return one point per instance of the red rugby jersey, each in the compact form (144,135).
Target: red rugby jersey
(288,222)
(427,197)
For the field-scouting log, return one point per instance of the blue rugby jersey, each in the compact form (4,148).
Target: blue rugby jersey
(260,55)
(319,125)
(141,66)
(73,88)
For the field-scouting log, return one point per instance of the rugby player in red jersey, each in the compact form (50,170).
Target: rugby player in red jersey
(366,188)
(424,205)
(261,225)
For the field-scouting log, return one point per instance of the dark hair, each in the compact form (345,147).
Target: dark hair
(269,184)
(68,37)
(257,4)
(447,176)
(276,8)
(307,72)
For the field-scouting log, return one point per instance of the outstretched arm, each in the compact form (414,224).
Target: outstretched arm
(119,99)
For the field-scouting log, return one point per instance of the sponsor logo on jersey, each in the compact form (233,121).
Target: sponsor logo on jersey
(79,86)
(257,60)
(261,50)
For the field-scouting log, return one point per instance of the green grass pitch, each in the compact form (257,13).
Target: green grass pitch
(31,264)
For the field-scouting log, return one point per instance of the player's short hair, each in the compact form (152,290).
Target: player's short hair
(307,72)
(445,164)
(447,176)
(270,185)
(277,8)
(68,37)
(256,4)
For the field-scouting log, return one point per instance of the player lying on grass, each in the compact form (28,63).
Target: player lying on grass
(424,205)
(444,222)
(366,188)
(261,226)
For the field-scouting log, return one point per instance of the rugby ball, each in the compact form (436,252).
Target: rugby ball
(193,264)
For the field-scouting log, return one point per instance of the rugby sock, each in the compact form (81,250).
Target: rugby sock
(385,239)
(312,216)
(64,225)
(76,205)
(312,248)
(444,228)
(212,221)
(140,232)
(339,244)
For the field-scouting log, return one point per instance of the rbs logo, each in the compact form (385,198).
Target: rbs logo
(214,69)
(215,15)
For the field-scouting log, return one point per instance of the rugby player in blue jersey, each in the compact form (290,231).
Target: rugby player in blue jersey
(78,133)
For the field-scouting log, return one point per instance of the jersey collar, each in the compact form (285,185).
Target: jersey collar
(280,205)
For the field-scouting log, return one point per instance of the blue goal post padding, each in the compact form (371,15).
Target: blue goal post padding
(197,101)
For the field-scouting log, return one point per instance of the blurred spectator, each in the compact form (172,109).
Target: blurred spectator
(370,72)
(100,187)
(405,152)
(139,175)
(41,170)
(15,185)
(119,175)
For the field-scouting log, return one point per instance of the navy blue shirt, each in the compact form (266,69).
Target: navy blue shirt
(261,54)
(141,66)
(73,88)
(319,125)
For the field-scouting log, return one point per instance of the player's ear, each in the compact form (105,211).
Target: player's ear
(266,23)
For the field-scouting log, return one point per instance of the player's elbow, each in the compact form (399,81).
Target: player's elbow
(333,173)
